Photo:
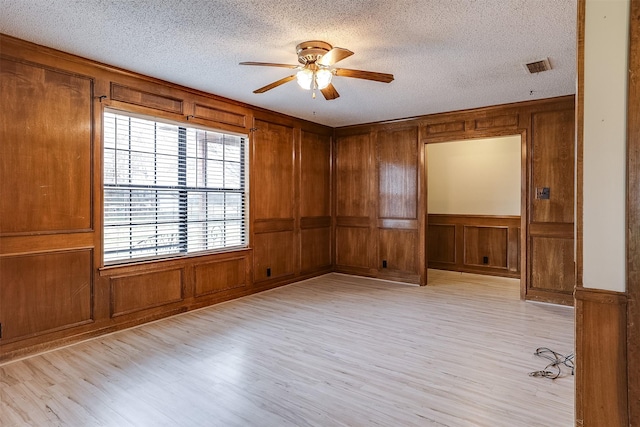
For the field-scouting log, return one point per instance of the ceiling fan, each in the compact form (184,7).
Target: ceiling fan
(316,69)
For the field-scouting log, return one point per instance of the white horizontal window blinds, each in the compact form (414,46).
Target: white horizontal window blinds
(170,189)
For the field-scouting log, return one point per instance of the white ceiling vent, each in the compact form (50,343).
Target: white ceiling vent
(538,66)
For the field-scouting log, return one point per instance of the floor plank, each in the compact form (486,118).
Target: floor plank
(334,350)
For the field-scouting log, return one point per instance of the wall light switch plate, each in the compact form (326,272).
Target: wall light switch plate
(543,193)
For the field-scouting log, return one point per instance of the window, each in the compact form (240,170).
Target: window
(170,189)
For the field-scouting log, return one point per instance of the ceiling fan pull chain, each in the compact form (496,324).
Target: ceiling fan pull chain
(315,85)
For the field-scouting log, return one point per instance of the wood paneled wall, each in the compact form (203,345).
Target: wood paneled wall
(551,227)
(374,169)
(291,199)
(461,243)
(547,131)
(315,209)
(378,219)
(54,286)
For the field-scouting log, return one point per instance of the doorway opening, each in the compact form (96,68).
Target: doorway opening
(475,205)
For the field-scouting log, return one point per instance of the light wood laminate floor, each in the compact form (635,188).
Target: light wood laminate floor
(330,351)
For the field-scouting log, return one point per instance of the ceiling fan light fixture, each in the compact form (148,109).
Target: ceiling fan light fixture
(304,78)
(309,79)
(323,78)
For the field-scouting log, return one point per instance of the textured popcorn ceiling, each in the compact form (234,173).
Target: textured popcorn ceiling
(445,54)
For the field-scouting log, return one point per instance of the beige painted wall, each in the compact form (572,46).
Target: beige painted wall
(475,176)
(605,105)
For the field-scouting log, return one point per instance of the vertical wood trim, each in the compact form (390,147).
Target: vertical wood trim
(101,300)
(249,183)
(579,400)
(97,164)
(459,245)
(252,180)
(633,216)
(579,142)
(374,188)
(423,218)
(333,198)
(297,191)
(525,210)
(513,250)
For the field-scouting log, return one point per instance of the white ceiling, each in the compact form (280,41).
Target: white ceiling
(446,55)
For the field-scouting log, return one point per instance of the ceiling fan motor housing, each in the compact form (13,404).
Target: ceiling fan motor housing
(311,51)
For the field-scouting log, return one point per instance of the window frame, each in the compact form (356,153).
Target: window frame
(183,128)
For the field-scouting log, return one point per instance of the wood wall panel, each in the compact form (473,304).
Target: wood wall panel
(553,148)
(45,167)
(143,98)
(352,247)
(601,374)
(273,251)
(353,177)
(45,292)
(552,264)
(315,241)
(442,243)
(400,249)
(137,292)
(489,242)
(397,159)
(315,253)
(298,192)
(445,127)
(500,122)
(220,276)
(551,231)
(220,115)
(273,173)
(460,243)
(315,175)
(377,177)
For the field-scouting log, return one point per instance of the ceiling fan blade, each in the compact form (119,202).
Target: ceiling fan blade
(334,55)
(275,84)
(330,92)
(270,64)
(367,75)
